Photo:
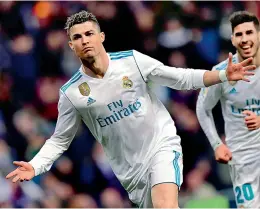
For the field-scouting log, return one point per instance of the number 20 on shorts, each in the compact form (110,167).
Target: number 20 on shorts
(244,192)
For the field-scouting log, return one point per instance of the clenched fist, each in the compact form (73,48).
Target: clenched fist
(223,154)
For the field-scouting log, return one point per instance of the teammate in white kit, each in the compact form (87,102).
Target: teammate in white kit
(240,102)
(110,94)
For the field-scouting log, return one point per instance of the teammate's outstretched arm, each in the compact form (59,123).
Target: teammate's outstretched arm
(66,128)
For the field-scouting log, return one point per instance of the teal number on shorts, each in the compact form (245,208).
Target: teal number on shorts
(246,193)
(238,195)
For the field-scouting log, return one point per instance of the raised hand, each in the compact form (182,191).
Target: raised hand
(236,72)
(223,154)
(252,121)
(25,171)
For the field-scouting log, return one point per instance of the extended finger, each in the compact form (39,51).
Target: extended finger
(13,173)
(247,61)
(248,73)
(245,79)
(16,178)
(20,163)
(249,68)
(230,58)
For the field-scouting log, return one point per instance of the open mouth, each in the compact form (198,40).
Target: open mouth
(246,49)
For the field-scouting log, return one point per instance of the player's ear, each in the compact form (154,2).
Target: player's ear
(71,46)
(102,36)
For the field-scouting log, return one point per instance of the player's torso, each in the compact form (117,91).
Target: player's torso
(237,98)
(113,103)
(243,96)
(124,116)
(118,111)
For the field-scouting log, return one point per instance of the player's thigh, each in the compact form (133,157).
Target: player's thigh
(246,184)
(166,178)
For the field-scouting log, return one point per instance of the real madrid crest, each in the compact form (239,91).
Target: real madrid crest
(127,83)
(84,89)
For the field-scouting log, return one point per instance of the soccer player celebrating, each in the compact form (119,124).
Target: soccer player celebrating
(110,94)
(240,103)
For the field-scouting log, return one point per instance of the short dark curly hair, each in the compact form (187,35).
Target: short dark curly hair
(240,17)
(80,17)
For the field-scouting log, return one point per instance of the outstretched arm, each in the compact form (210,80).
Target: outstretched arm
(66,128)
(185,78)
(181,78)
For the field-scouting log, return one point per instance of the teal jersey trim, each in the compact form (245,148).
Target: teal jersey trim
(177,168)
(74,79)
(119,55)
(224,65)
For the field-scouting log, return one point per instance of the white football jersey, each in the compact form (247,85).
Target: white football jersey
(234,98)
(121,112)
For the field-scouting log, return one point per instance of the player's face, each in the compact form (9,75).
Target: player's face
(86,40)
(246,39)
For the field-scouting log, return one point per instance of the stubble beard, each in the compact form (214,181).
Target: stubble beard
(247,56)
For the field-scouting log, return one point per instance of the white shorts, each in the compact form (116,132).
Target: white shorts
(246,184)
(166,167)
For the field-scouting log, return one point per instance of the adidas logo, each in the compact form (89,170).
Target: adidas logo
(90,101)
(233,91)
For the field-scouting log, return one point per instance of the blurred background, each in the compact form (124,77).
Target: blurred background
(35,61)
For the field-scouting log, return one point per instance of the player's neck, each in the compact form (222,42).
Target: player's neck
(97,67)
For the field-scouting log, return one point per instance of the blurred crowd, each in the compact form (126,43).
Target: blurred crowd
(35,61)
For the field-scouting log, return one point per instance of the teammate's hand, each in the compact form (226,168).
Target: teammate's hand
(223,154)
(252,121)
(236,72)
(25,171)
